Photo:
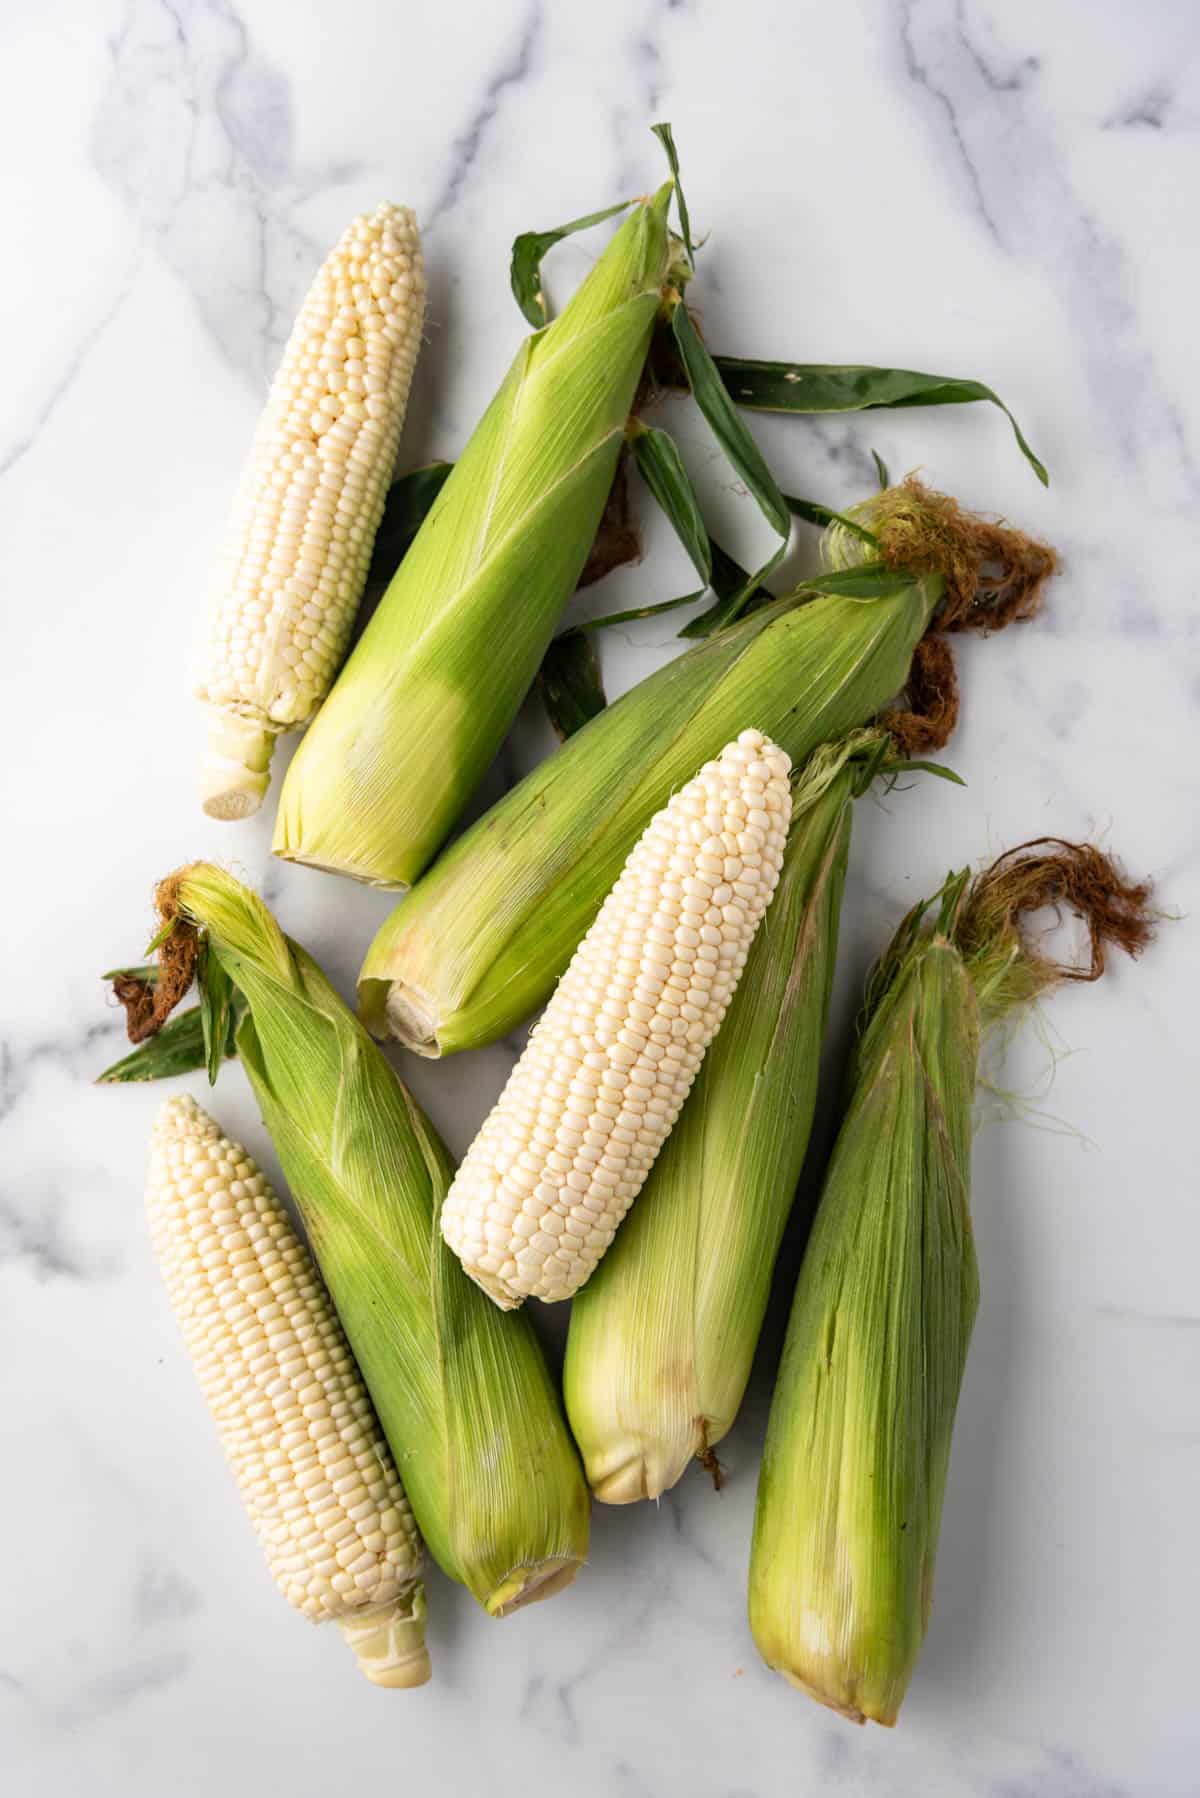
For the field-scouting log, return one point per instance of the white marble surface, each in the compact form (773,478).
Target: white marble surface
(1007,192)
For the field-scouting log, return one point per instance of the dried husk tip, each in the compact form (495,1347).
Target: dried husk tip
(992,576)
(1007,966)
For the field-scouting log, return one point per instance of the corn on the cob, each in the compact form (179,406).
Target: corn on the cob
(565,1150)
(462,1393)
(857,1450)
(293,1414)
(424,701)
(663,1335)
(309,504)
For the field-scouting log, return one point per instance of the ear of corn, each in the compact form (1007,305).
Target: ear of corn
(663,1335)
(587,1108)
(462,1392)
(424,702)
(854,1469)
(309,504)
(293,1414)
(480,941)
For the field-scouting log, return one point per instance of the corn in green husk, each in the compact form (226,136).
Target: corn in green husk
(461,1390)
(481,940)
(422,705)
(663,1335)
(854,1470)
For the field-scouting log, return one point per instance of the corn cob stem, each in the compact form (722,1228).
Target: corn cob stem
(293,1415)
(565,1150)
(309,504)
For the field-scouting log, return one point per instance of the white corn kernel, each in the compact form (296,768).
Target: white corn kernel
(612,1022)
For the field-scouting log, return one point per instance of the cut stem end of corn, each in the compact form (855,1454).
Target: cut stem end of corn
(349,870)
(236,768)
(529,1585)
(625,1484)
(404,1012)
(389,1643)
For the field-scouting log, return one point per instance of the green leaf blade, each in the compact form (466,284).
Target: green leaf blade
(720,413)
(817,387)
(663,133)
(662,468)
(525,271)
(570,682)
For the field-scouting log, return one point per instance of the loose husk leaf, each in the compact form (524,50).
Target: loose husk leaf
(816,387)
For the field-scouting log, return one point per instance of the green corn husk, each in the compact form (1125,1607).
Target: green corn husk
(663,1335)
(480,941)
(461,1389)
(858,1444)
(422,705)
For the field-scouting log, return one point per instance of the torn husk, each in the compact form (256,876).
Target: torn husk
(858,1444)
(480,941)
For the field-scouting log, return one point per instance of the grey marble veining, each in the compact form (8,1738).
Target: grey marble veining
(1007,193)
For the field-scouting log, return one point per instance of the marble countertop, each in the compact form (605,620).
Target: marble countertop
(1007,193)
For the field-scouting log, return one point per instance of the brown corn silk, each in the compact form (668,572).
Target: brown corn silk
(858,1444)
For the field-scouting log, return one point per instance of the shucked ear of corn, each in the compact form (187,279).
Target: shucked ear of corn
(564,1151)
(292,1412)
(663,1335)
(462,1392)
(854,1470)
(424,701)
(309,504)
